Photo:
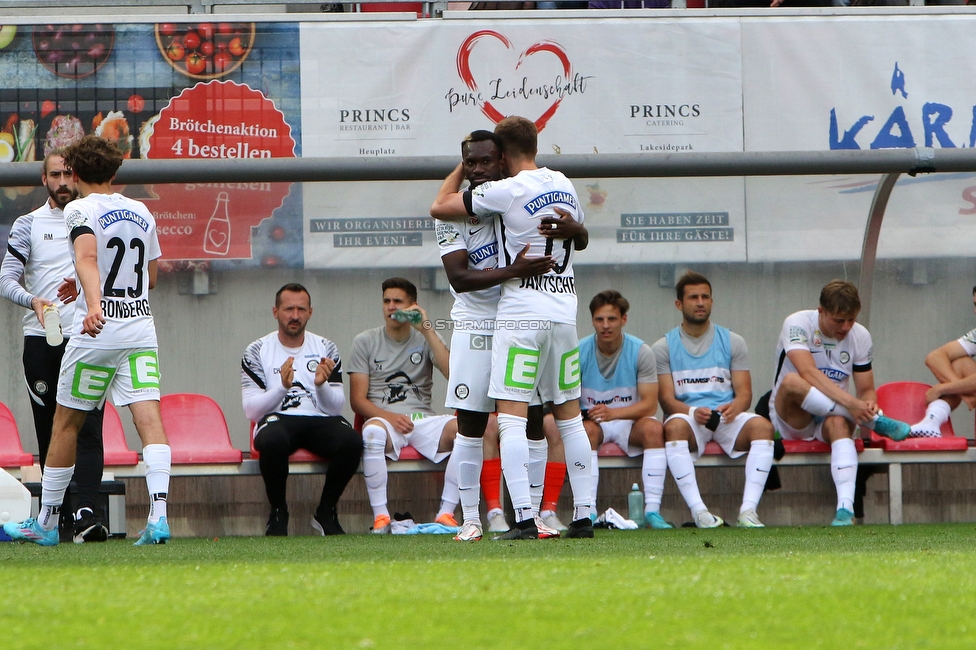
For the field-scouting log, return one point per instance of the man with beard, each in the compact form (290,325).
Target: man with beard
(37,251)
(291,384)
(705,387)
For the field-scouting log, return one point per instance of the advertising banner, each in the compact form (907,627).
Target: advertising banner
(188,90)
(410,89)
(859,83)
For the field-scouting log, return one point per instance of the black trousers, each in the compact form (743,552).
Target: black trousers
(279,436)
(42,364)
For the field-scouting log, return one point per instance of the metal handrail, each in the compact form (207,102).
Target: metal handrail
(688,164)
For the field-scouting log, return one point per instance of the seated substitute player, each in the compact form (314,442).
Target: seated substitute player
(37,251)
(818,352)
(115,247)
(291,386)
(535,344)
(954,367)
(705,387)
(390,380)
(469,253)
(619,399)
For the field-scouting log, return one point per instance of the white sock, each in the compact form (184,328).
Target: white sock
(576,445)
(54,483)
(374,467)
(450,495)
(843,468)
(816,403)
(470,456)
(654,469)
(683,470)
(158,460)
(514,451)
(936,414)
(758,463)
(594,477)
(538,454)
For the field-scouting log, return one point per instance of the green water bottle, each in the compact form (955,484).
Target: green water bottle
(635,505)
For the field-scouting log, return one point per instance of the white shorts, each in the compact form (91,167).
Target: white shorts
(813,431)
(425,437)
(87,374)
(467,387)
(725,434)
(618,432)
(546,360)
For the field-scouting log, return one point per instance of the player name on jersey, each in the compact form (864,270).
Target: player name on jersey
(549,283)
(121,309)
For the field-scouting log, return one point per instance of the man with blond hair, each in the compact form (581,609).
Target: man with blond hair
(818,352)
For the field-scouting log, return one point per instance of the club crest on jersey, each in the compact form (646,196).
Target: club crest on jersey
(312,365)
(845,357)
(416,358)
(40,387)
(461,391)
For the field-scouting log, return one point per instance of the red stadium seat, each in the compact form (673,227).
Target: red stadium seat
(197,430)
(413,7)
(905,401)
(712,449)
(11,451)
(116,451)
(610,449)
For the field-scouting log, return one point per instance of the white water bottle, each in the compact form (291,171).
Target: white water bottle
(635,505)
(52,326)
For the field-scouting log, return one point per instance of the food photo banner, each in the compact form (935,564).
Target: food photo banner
(406,89)
(188,90)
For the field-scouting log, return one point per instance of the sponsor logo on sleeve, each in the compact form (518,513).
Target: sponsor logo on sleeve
(446,234)
(797,335)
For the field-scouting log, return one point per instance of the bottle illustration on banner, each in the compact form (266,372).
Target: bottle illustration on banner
(216,239)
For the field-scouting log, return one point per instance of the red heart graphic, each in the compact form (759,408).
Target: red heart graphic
(218,239)
(464,70)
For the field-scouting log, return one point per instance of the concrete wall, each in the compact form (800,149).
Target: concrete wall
(202,339)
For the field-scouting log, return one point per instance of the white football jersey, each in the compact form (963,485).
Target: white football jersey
(476,236)
(522,200)
(37,248)
(126,241)
(968,343)
(835,359)
(261,367)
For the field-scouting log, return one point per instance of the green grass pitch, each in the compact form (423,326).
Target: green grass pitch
(813,587)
